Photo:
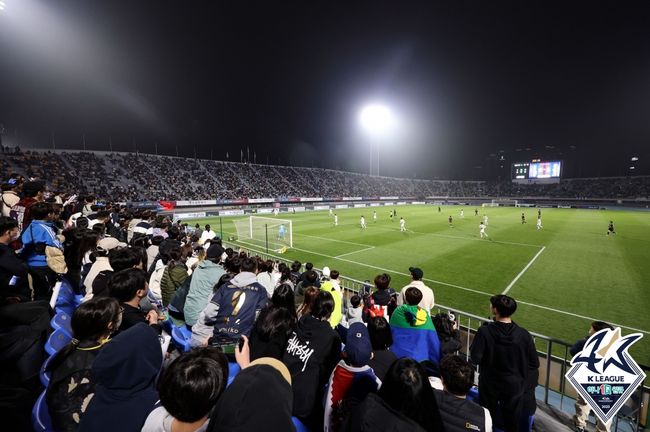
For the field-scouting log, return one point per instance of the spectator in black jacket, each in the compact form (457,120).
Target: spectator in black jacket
(14,285)
(459,414)
(507,356)
(129,287)
(312,352)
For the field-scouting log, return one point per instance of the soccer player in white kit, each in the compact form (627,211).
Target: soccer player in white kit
(482,232)
(336,219)
(374,216)
(485,220)
(330,212)
(402,224)
(363,222)
(462,213)
(539,223)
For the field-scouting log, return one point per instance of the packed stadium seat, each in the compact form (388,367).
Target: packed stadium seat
(61,321)
(181,337)
(40,416)
(300,427)
(67,301)
(45,376)
(233,370)
(57,340)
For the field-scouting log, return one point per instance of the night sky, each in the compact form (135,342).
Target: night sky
(469,82)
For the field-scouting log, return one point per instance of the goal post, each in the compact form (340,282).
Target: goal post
(265,232)
(504,202)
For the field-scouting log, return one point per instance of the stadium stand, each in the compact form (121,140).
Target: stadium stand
(141,177)
(281,344)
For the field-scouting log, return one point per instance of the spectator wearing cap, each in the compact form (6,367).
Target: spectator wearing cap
(104,246)
(351,380)
(204,277)
(9,196)
(427,301)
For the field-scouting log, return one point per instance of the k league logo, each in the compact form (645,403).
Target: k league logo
(604,373)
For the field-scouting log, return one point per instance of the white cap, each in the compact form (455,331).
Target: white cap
(326,271)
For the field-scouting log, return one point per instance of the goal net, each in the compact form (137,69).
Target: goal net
(263,231)
(502,202)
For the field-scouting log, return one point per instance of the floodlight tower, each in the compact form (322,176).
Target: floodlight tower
(376,120)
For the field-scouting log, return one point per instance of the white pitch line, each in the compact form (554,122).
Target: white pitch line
(579,316)
(461,288)
(465,238)
(353,252)
(333,240)
(381,268)
(521,273)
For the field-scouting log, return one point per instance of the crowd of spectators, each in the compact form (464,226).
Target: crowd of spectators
(126,177)
(272,346)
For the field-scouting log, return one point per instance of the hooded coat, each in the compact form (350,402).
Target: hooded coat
(312,352)
(376,415)
(259,399)
(507,356)
(204,278)
(124,372)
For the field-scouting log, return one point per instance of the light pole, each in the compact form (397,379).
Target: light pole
(376,120)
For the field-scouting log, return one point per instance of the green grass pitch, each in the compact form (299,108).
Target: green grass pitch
(563,276)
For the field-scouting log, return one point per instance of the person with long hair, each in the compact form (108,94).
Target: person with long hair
(174,274)
(71,384)
(309,295)
(274,325)
(79,244)
(405,401)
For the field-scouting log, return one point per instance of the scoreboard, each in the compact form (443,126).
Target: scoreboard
(536,171)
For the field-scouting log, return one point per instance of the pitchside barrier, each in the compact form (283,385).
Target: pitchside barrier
(554,357)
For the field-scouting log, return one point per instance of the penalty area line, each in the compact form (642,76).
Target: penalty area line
(353,252)
(254,246)
(521,273)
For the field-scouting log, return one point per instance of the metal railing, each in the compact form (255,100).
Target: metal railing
(553,353)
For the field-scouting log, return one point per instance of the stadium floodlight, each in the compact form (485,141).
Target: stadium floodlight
(376,119)
(634,158)
(2,5)
(632,167)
